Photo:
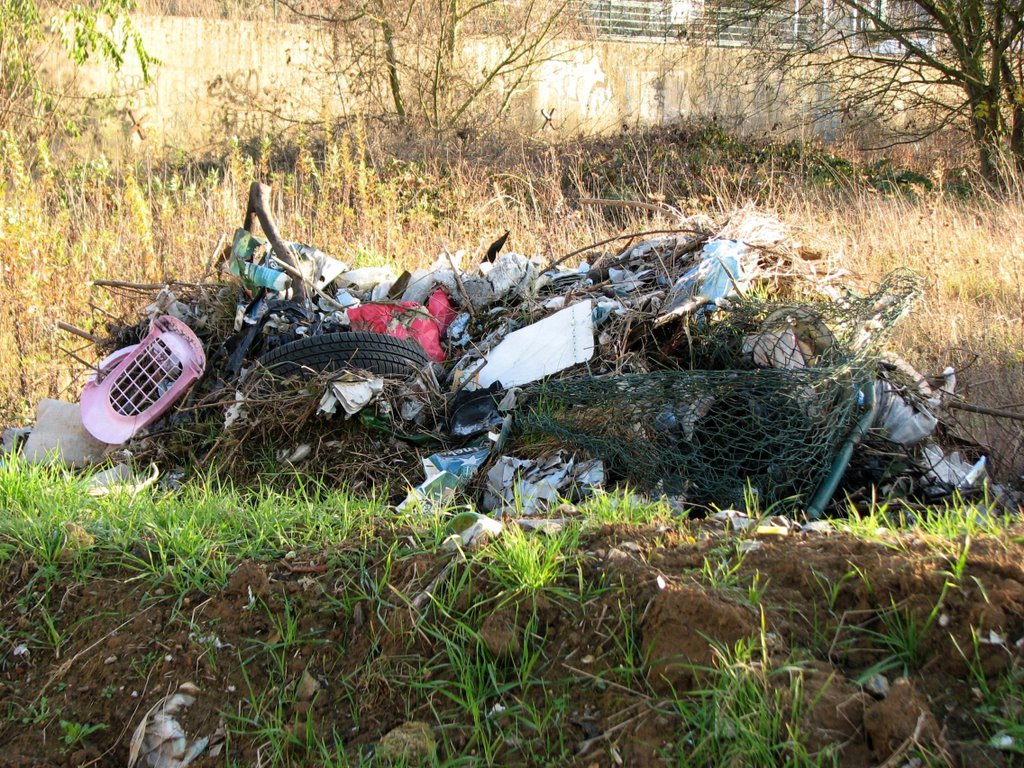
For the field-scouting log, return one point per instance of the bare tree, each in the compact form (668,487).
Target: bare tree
(923,64)
(419,60)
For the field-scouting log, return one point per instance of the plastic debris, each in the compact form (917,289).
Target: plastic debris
(904,422)
(734,519)
(777,525)
(950,471)
(301,452)
(252,275)
(317,268)
(166,303)
(445,474)
(434,492)
(121,479)
(474,412)
(235,411)
(877,685)
(13,439)
(366,278)
(462,463)
(724,270)
(159,741)
(526,486)
(790,339)
(1004,742)
(511,275)
(407,320)
(136,385)
(473,528)
(657,363)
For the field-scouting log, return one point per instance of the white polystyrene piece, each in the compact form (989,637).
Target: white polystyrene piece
(553,344)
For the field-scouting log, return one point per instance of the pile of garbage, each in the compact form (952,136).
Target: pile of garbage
(714,365)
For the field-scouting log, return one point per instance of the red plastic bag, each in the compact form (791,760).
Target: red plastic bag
(408,320)
(440,306)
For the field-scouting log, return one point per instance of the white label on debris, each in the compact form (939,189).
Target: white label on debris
(548,346)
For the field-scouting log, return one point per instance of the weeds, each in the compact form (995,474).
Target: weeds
(747,711)
(900,637)
(626,508)
(528,564)
(626,659)
(38,713)
(73,734)
(721,569)
(462,674)
(1000,713)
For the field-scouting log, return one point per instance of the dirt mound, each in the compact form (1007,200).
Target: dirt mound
(652,646)
(903,719)
(684,628)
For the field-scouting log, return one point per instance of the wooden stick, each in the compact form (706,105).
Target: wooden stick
(997,412)
(584,746)
(72,355)
(421,599)
(458,278)
(897,757)
(598,244)
(657,208)
(140,286)
(74,329)
(259,199)
(213,256)
(102,311)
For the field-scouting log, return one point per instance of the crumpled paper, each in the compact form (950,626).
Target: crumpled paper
(353,391)
(533,485)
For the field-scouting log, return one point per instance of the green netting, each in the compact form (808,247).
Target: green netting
(710,435)
(813,332)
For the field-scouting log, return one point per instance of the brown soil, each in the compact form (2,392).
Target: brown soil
(349,670)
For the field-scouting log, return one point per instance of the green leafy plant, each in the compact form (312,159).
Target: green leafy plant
(38,712)
(73,734)
(531,562)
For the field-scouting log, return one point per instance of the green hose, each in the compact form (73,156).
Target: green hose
(827,489)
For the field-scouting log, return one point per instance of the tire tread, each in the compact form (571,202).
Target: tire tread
(377,353)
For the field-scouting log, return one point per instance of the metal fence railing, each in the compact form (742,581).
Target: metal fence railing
(629,19)
(715,24)
(724,23)
(735,26)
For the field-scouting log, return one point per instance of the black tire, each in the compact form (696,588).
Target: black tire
(377,353)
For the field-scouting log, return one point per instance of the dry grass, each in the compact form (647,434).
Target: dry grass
(401,199)
(971,256)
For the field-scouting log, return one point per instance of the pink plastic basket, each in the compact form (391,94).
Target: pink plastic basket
(136,385)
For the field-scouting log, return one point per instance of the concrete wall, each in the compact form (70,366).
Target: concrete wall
(224,78)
